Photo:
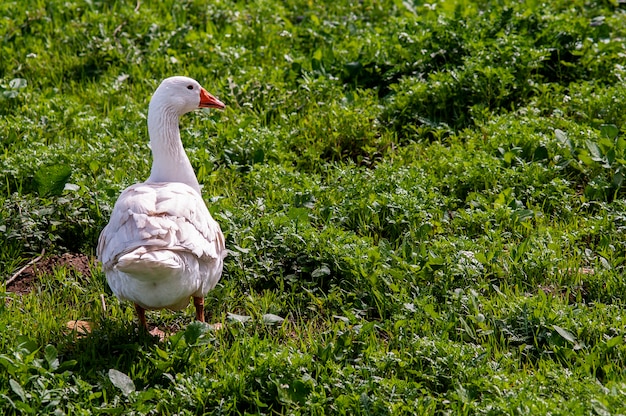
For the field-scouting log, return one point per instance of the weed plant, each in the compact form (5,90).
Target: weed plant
(423,203)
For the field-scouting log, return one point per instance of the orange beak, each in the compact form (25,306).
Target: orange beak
(209,101)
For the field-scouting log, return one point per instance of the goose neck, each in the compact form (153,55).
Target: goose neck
(170,162)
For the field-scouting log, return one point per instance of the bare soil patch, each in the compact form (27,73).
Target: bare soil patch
(76,263)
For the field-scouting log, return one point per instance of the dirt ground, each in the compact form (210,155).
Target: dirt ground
(78,263)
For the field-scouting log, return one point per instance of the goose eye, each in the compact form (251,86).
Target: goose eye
(190,87)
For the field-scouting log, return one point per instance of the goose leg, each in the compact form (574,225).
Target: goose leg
(156,332)
(141,313)
(198,302)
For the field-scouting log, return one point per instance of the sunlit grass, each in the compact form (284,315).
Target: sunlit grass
(431,196)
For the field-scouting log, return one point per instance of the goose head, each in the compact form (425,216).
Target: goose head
(181,95)
(174,97)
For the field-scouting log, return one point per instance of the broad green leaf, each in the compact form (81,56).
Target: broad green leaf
(8,363)
(609,130)
(161,353)
(94,166)
(24,408)
(615,341)
(509,157)
(299,214)
(270,318)
(51,355)
(605,263)
(562,137)
(121,381)
(94,395)
(523,214)
(429,309)
(66,365)
(321,271)
(620,144)
(568,336)
(584,157)
(238,318)
(194,330)
(594,150)
(50,180)
(293,391)
(17,389)
(25,343)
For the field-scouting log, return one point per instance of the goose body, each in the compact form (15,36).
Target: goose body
(161,246)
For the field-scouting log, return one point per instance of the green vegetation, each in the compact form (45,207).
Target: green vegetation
(431,195)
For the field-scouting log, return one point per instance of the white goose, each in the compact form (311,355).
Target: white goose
(162,246)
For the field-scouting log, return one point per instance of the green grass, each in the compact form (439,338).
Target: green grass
(431,195)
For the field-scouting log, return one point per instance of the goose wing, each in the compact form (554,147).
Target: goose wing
(160,216)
